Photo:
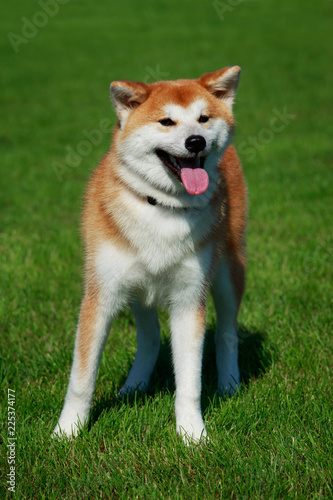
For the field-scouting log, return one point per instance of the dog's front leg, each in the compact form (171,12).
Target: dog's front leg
(187,337)
(93,328)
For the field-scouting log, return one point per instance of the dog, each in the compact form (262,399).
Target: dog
(164,222)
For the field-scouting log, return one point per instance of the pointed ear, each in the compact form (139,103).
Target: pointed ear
(127,96)
(223,83)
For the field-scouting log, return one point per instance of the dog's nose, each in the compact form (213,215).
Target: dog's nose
(195,143)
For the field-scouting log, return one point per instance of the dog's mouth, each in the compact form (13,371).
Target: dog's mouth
(190,171)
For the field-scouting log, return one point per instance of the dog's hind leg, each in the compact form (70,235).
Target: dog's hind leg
(148,339)
(227,294)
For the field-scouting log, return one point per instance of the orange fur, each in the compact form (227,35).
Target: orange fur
(181,92)
(236,214)
(201,320)
(86,328)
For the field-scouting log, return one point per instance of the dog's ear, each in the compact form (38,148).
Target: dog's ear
(223,83)
(127,96)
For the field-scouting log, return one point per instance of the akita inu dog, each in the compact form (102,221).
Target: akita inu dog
(163,223)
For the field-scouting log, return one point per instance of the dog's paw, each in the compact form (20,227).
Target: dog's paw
(68,425)
(228,383)
(130,390)
(65,430)
(192,431)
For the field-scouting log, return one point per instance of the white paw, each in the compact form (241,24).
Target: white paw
(65,429)
(71,421)
(191,429)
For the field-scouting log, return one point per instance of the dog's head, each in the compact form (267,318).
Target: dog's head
(171,135)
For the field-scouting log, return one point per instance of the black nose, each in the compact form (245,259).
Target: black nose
(195,143)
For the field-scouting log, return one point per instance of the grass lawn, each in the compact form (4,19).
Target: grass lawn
(274,440)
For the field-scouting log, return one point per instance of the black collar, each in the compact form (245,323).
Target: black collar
(154,202)
(151,200)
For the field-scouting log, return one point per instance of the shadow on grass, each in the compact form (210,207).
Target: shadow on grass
(255,359)
(162,380)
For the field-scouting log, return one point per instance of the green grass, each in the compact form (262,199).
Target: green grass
(272,441)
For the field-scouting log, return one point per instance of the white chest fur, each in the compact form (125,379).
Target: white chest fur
(163,237)
(163,262)
(123,276)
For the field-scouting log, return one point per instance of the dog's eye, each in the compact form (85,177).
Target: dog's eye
(203,119)
(167,122)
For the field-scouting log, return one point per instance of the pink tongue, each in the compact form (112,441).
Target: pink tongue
(195,180)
